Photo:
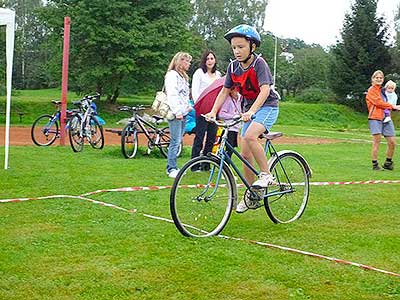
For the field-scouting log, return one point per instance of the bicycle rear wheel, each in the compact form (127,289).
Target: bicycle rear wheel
(129,141)
(164,140)
(44,132)
(75,133)
(292,190)
(201,202)
(96,139)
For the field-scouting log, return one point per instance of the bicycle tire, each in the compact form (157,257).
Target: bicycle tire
(75,133)
(43,132)
(129,141)
(200,205)
(292,174)
(96,134)
(164,141)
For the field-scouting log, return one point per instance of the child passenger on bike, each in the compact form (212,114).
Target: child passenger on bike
(251,75)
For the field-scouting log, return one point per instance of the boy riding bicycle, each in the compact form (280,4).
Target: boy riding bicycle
(251,75)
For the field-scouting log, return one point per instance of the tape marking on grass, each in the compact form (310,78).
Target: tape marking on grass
(164,187)
(269,245)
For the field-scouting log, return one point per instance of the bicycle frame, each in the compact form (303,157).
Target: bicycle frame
(224,157)
(56,118)
(137,119)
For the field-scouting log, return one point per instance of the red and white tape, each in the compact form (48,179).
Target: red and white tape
(163,187)
(269,245)
(69,197)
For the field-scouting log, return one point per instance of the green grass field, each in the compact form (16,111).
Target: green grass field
(34,103)
(73,249)
(66,248)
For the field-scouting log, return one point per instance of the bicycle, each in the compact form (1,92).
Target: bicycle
(84,125)
(201,202)
(156,137)
(45,129)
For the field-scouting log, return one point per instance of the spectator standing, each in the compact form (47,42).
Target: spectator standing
(177,90)
(376,105)
(202,78)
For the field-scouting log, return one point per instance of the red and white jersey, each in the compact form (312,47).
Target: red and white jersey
(248,81)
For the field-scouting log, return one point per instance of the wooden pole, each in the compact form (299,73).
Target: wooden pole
(64,81)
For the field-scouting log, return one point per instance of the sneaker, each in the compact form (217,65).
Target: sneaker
(241,207)
(386,119)
(195,169)
(205,167)
(264,180)
(376,167)
(172,173)
(388,165)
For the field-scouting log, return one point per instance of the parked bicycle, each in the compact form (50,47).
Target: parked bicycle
(85,125)
(46,129)
(201,202)
(156,137)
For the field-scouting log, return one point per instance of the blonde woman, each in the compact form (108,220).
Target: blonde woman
(376,105)
(177,90)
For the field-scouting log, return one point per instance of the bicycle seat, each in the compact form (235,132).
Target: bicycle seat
(270,135)
(56,102)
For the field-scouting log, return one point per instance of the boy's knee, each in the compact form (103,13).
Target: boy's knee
(249,139)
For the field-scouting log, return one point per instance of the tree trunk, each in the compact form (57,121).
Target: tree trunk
(113,97)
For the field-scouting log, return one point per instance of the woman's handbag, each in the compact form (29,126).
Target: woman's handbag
(161,106)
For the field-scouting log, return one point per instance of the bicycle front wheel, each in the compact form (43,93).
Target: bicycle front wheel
(44,131)
(289,196)
(75,133)
(164,140)
(201,202)
(96,134)
(129,141)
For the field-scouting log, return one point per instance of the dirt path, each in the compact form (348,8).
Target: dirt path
(20,136)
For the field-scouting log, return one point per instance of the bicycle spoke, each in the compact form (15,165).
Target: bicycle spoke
(200,204)
(287,200)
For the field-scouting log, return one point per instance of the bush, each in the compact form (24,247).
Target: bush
(316,95)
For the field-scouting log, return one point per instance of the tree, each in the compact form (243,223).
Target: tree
(118,44)
(395,51)
(363,50)
(213,18)
(28,36)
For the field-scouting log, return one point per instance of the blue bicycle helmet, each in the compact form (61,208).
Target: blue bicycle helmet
(245,31)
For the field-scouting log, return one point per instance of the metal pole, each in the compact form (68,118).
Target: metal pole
(275,56)
(10,33)
(64,82)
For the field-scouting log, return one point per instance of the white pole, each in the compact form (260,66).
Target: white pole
(275,55)
(9,55)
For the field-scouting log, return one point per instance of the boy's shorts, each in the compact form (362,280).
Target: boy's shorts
(266,116)
(378,127)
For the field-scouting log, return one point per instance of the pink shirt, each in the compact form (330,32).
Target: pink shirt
(229,109)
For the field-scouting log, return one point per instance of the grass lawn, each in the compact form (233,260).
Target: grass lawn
(73,249)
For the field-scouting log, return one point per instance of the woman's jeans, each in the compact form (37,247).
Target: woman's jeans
(176,129)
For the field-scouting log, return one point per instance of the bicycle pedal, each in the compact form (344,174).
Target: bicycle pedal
(252,198)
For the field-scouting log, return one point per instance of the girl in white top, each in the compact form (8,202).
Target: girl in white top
(177,90)
(202,78)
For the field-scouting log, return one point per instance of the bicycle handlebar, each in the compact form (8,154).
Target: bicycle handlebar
(88,98)
(133,108)
(235,120)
